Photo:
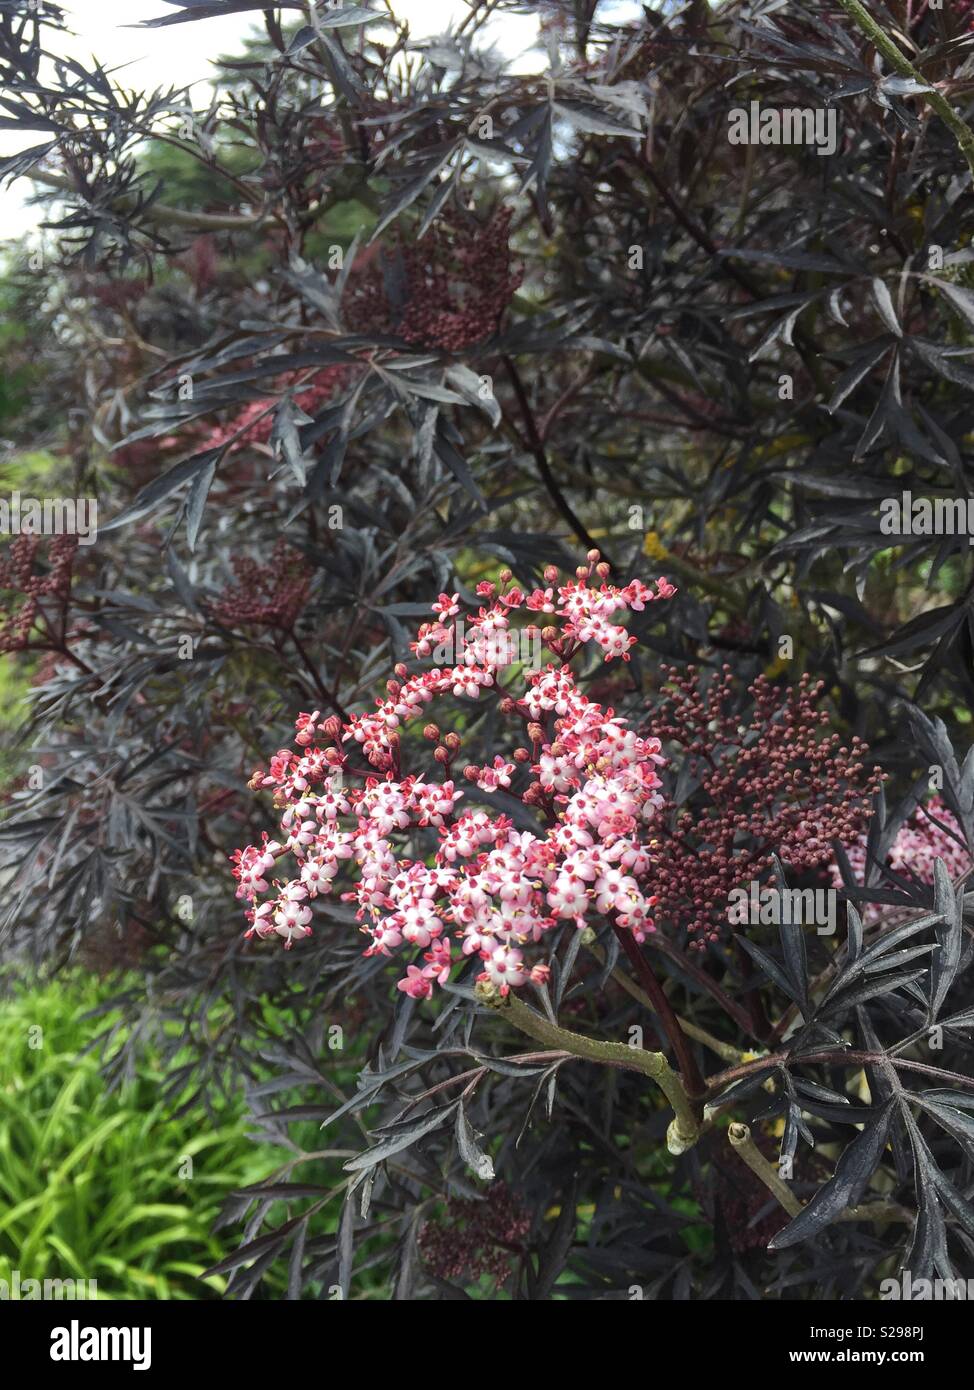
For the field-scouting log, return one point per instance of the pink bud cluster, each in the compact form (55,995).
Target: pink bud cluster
(435,875)
(452,286)
(18,576)
(771,781)
(268,595)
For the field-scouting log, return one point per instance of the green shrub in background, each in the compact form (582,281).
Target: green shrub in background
(113,1185)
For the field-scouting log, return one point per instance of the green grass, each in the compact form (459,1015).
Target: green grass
(112,1186)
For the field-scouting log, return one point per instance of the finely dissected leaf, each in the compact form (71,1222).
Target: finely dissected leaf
(857,372)
(410,192)
(792,936)
(884,303)
(592,122)
(772,969)
(475,389)
(877,953)
(470,1151)
(954,1118)
(559,1243)
(962,299)
(212,9)
(196,501)
(928,1253)
(348,16)
(403,1140)
(157,491)
(853,1171)
(950,938)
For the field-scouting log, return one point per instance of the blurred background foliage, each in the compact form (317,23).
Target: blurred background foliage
(122,1185)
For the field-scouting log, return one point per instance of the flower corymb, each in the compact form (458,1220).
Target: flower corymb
(447,864)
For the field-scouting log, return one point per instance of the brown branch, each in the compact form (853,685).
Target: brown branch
(162,212)
(837,1056)
(536,447)
(726,1050)
(323,690)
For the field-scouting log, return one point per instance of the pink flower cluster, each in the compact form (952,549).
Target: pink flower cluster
(918,843)
(436,876)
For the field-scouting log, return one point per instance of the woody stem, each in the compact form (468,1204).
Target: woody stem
(686,1127)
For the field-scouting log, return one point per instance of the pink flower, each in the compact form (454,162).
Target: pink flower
(385,938)
(439,962)
(415,984)
(434,804)
(420,924)
(541,601)
(497,775)
(503,967)
(305,726)
(317,874)
(292,915)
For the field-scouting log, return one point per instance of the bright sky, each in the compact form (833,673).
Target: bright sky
(177,56)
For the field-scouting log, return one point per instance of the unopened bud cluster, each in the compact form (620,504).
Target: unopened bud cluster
(20,575)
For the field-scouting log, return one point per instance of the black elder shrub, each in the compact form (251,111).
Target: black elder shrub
(389,324)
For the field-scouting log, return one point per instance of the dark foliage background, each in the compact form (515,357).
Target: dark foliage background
(566,311)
